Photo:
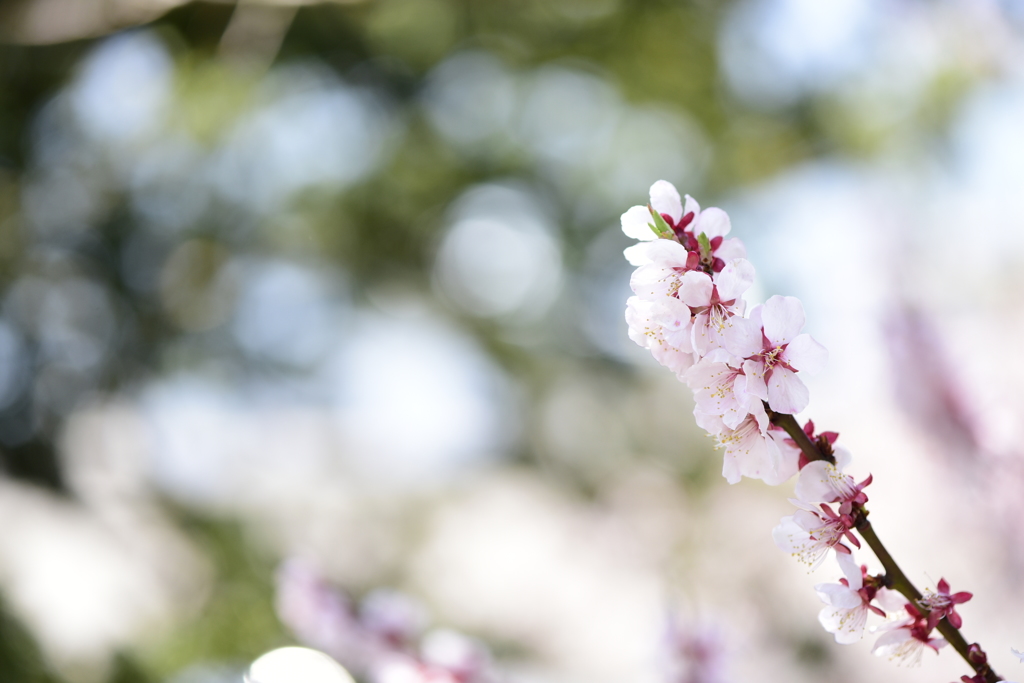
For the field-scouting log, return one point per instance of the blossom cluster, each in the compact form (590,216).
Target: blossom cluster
(745,369)
(689,310)
(380,640)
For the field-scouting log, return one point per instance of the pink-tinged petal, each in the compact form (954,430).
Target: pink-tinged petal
(731,249)
(636,223)
(786,391)
(790,536)
(754,370)
(842,456)
(805,354)
(654,283)
(667,253)
(889,600)
(676,360)
(636,255)
(783,318)
(712,424)
(851,570)
(665,199)
(719,390)
(815,484)
(701,341)
(642,329)
(890,641)
(734,279)
(674,318)
(743,338)
(713,222)
(846,625)
(760,416)
(695,288)
(838,595)
(789,459)
(691,207)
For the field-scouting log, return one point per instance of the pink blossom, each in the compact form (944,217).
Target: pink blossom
(720,390)
(718,309)
(941,604)
(812,530)
(686,223)
(664,328)
(661,275)
(822,482)
(752,449)
(772,371)
(904,640)
(849,601)
(637,220)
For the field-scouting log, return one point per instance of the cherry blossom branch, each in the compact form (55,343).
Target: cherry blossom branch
(895,578)
(746,369)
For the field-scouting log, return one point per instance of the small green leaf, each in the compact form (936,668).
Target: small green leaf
(660,227)
(705,246)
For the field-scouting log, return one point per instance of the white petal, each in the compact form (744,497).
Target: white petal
(675,359)
(734,279)
(805,354)
(692,207)
(783,318)
(786,391)
(636,223)
(638,318)
(713,425)
(789,459)
(636,255)
(890,641)
(754,370)
(847,625)
(743,337)
(843,457)
(789,536)
(851,570)
(889,600)
(713,222)
(665,199)
(696,288)
(730,249)
(838,595)
(653,282)
(815,483)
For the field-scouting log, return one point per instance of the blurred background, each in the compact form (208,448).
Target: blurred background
(342,282)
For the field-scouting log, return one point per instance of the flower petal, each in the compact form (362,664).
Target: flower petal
(713,222)
(636,223)
(730,249)
(734,279)
(665,199)
(786,391)
(695,289)
(783,318)
(805,354)
(691,207)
